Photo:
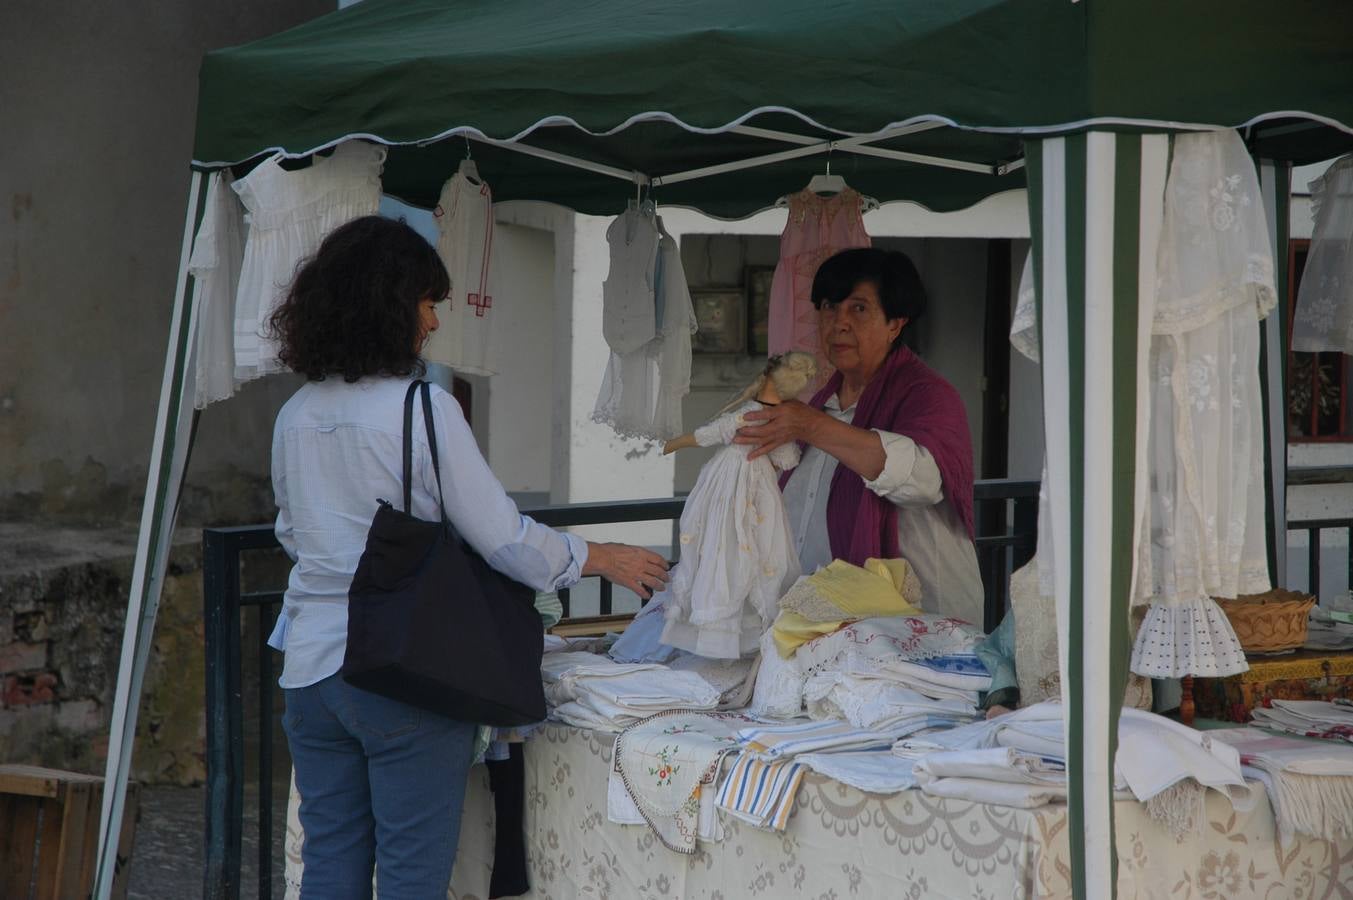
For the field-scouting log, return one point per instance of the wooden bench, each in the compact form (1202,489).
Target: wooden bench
(49,833)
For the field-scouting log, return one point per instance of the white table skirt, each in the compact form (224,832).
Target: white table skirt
(844,844)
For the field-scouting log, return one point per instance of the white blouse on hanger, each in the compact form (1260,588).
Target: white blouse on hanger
(465,243)
(644,385)
(289,213)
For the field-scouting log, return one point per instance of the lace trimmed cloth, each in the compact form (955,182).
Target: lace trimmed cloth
(1323,319)
(1205,513)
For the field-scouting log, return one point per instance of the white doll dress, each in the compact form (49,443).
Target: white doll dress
(737,553)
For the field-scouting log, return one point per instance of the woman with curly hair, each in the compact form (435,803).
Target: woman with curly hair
(382,782)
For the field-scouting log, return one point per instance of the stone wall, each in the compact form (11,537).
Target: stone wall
(63,601)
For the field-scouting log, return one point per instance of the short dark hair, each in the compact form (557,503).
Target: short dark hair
(891,272)
(352,309)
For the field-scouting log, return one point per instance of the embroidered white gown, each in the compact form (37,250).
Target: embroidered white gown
(289,213)
(737,552)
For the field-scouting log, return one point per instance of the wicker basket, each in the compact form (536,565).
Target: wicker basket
(1270,622)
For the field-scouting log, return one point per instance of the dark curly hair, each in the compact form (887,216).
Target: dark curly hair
(352,309)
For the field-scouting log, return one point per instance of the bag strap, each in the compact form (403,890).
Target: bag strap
(431,431)
(432,444)
(408,443)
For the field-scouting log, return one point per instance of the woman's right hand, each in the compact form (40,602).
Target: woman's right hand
(640,570)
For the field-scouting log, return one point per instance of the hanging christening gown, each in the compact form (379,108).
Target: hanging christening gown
(817,227)
(737,552)
(1323,320)
(1204,526)
(464,242)
(289,213)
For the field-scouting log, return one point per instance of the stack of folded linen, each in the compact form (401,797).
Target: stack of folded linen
(592,691)
(929,656)
(1327,632)
(1308,718)
(876,699)
(1309,784)
(1002,776)
(765,777)
(1161,763)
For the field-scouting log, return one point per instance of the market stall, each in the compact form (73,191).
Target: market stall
(726,108)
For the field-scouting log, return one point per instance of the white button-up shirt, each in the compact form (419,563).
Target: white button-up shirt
(337,448)
(930,534)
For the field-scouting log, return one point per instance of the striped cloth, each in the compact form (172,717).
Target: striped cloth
(779,741)
(761,792)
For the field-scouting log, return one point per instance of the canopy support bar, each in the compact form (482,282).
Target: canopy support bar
(862,146)
(629,175)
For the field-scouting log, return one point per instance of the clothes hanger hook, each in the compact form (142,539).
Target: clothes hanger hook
(467,147)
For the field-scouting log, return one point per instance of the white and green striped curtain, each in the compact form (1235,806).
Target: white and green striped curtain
(1095,208)
(1275,182)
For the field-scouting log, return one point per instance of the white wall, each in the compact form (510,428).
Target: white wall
(520,397)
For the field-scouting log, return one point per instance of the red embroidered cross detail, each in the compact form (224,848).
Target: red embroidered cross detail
(481,303)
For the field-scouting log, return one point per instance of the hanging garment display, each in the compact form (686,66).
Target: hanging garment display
(465,243)
(645,381)
(817,227)
(1203,532)
(218,255)
(1204,524)
(1323,319)
(289,213)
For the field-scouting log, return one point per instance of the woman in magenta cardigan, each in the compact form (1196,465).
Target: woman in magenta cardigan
(887,466)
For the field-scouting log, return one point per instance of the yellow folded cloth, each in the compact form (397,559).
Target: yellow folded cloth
(840,592)
(792,630)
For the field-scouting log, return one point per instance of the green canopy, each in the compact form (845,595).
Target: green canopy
(658,88)
(934,102)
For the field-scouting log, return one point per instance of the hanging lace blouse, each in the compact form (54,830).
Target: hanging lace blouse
(817,227)
(1323,319)
(218,254)
(289,213)
(1204,524)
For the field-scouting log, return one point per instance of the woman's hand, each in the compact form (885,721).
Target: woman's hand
(640,570)
(773,426)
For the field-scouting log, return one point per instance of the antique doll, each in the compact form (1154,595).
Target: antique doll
(737,553)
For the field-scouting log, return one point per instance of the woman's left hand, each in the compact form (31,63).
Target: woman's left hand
(776,425)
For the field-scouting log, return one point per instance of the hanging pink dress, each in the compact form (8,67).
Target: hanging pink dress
(817,228)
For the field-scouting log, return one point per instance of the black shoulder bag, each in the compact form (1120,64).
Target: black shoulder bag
(434,625)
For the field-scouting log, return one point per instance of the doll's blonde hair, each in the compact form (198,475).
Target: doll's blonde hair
(790,373)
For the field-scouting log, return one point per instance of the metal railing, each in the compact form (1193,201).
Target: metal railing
(1006,518)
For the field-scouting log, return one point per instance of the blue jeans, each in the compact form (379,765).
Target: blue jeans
(381,783)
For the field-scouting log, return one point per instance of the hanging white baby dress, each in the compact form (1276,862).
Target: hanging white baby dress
(1204,531)
(218,255)
(737,553)
(645,293)
(1323,320)
(288,214)
(628,322)
(465,243)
